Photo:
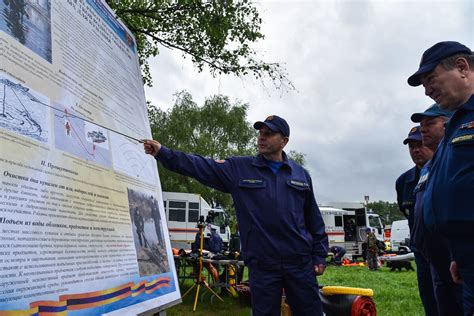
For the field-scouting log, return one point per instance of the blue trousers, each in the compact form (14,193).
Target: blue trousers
(300,284)
(425,285)
(448,294)
(462,251)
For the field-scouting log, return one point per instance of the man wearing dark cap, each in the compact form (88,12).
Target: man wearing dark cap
(447,74)
(431,247)
(283,240)
(404,186)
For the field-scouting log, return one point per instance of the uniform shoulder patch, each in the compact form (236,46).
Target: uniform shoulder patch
(252,181)
(467,125)
(299,183)
(463,138)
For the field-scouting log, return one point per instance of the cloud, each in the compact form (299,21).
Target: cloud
(349,61)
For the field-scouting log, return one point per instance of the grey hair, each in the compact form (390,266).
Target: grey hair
(450,62)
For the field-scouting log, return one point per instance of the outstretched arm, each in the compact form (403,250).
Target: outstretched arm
(215,174)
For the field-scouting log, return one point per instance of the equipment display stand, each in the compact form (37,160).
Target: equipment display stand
(200,280)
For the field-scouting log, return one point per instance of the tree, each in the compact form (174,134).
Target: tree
(388,211)
(216,34)
(219,129)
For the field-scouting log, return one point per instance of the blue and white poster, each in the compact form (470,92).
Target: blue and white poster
(81,208)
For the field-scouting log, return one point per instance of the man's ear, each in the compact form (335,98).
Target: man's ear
(463,66)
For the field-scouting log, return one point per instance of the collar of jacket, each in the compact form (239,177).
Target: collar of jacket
(260,161)
(414,175)
(469,105)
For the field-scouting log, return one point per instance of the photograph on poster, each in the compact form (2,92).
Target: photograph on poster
(148,233)
(80,138)
(128,157)
(29,22)
(23,110)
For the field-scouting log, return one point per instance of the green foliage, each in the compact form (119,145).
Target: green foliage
(297,157)
(219,129)
(388,211)
(216,34)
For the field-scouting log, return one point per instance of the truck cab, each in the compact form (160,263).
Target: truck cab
(346,225)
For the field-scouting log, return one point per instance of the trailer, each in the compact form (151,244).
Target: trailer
(183,211)
(346,225)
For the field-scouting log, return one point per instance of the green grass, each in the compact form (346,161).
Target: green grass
(396,293)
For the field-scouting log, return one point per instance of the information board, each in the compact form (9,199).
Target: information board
(82,223)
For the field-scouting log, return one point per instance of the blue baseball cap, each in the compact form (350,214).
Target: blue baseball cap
(432,111)
(275,123)
(414,134)
(434,55)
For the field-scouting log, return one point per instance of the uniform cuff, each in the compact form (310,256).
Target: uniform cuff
(163,152)
(319,260)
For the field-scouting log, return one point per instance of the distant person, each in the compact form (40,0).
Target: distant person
(155,212)
(197,243)
(216,244)
(446,72)
(234,243)
(372,250)
(284,243)
(140,227)
(428,246)
(405,186)
(338,252)
(350,230)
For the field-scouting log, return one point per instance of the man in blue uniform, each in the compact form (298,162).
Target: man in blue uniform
(447,74)
(282,231)
(338,252)
(215,242)
(433,247)
(404,186)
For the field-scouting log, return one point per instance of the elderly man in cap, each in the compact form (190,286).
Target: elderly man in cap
(446,72)
(404,186)
(283,239)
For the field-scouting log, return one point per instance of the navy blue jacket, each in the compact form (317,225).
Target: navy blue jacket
(419,236)
(215,243)
(278,217)
(448,199)
(404,186)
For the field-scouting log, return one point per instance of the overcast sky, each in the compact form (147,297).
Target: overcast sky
(349,61)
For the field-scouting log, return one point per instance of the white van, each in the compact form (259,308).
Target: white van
(400,236)
(182,212)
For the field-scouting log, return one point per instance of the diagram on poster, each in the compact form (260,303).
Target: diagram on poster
(23,110)
(79,137)
(128,158)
